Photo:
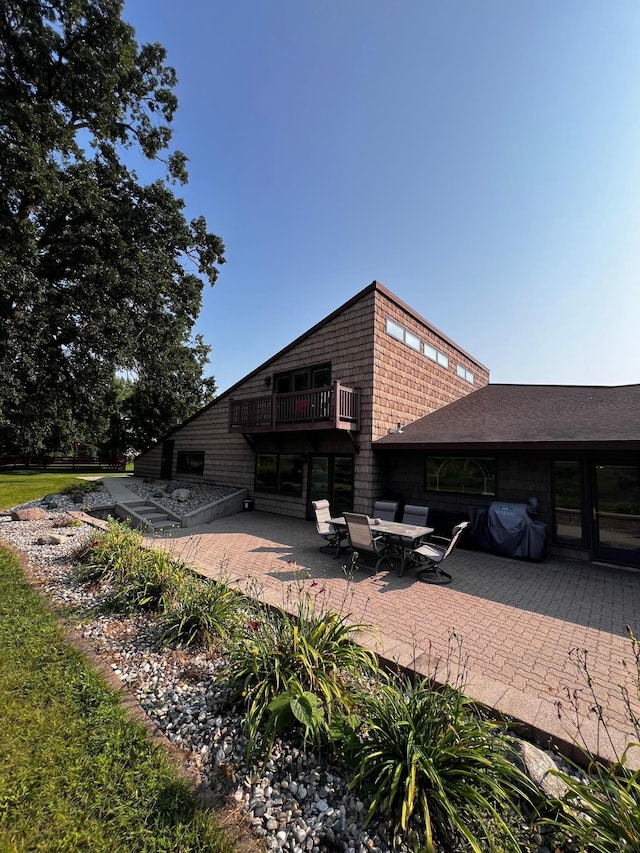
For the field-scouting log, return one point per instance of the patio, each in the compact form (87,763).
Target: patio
(510,625)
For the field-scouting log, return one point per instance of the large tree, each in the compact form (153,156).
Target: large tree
(99,273)
(139,407)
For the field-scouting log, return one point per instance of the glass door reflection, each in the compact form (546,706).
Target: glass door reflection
(616,513)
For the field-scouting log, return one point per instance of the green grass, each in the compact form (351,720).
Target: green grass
(76,773)
(17,487)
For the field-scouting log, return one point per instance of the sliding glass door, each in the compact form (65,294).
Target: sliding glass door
(331,478)
(616,513)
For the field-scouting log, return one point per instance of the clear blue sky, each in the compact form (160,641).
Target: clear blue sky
(480,159)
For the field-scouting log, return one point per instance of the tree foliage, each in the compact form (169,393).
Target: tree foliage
(99,273)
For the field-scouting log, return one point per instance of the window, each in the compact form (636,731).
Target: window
(435,355)
(266,472)
(290,475)
(412,341)
(395,330)
(321,376)
(431,352)
(401,334)
(567,500)
(331,476)
(279,472)
(302,379)
(190,462)
(406,337)
(463,373)
(469,475)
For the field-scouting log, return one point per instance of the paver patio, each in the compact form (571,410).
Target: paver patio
(513,623)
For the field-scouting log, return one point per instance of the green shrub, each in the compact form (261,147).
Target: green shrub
(150,583)
(603,812)
(113,554)
(296,671)
(423,753)
(200,611)
(82,486)
(143,578)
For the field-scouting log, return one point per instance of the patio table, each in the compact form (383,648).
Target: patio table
(400,536)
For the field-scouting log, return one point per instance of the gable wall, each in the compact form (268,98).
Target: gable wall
(148,464)
(396,384)
(407,384)
(347,342)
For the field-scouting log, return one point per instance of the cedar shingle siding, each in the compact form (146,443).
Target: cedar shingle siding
(395,384)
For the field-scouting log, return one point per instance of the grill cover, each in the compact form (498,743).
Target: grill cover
(510,529)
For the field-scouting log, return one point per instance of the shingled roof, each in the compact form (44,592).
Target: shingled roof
(528,417)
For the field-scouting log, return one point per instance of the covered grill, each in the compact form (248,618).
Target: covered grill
(510,529)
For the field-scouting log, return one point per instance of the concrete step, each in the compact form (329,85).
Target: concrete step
(152,515)
(148,515)
(163,525)
(157,520)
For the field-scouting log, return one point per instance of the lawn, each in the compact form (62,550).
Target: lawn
(17,487)
(77,773)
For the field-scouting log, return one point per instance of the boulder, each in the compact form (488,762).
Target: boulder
(538,765)
(52,539)
(181,495)
(50,501)
(34,513)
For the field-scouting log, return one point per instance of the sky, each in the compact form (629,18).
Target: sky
(479,158)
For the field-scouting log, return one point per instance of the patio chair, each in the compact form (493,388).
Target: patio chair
(364,542)
(432,554)
(386,510)
(329,532)
(416,515)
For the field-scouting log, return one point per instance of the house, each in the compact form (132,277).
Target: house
(575,448)
(374,401)
(302,425)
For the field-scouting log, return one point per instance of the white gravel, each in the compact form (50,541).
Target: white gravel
(24,535)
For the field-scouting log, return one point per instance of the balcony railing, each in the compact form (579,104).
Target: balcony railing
(333,407)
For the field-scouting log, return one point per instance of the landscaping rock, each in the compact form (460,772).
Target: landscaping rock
(538,766)
(52,539)
(181,495)
(50,501)
(31,514)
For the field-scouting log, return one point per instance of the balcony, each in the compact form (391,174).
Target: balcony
(333,407)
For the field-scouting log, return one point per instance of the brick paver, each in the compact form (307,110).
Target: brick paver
(506,626)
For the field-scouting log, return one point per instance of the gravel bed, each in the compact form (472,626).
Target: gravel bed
(299,803)
(160,491)
(24,535)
